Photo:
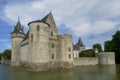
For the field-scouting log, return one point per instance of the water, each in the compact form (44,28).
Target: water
(78,73)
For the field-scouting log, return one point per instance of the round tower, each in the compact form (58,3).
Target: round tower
(39,46)
(17,36)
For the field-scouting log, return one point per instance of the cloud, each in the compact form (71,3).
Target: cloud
(86,28)
(82,17)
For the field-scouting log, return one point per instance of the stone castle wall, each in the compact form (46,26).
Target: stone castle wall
(65,51)
(39,46)
(103,58)
(106,58)
(24,53)
(53,45)
(83,61)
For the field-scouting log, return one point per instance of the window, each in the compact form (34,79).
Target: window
(52,45)
(38,27)
(51,33)
(31,37)
(69,49)
(52,56)
(69,56)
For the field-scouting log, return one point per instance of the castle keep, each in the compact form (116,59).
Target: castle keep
(42,48)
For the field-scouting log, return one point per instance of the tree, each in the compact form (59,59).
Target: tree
(87,53)
(98,46)
(114,46)
(0,55)
(108,46)
(7,54)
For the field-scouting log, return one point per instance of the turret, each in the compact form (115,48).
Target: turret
(17,36)
(39,46)
(80,45)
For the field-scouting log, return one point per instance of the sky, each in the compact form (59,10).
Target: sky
(95,21)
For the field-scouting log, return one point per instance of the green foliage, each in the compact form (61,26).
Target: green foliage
(108,46)
(7,54)
(98,46)
(90,53)
(114,45)
(0,55)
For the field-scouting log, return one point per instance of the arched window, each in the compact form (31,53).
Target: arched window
(38,27)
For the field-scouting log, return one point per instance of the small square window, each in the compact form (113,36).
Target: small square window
(51,33)
(69,56)
(38,27)
(52,56)
(69,49)
(31,37)
(52,45)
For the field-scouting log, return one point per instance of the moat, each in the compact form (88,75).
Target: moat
(78,73)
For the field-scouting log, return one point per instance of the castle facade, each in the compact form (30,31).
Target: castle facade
(42,48)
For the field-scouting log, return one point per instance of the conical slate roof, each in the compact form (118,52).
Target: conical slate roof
(18,27)
(80,42)
(44,19)
(48,19)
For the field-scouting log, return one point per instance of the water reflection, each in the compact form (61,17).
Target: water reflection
(78,73)
(96,73)
(118,72)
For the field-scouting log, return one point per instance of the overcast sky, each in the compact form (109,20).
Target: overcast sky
(95,21)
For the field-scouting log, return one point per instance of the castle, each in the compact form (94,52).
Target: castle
(42,48)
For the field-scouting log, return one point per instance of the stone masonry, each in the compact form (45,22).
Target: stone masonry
(42,48)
